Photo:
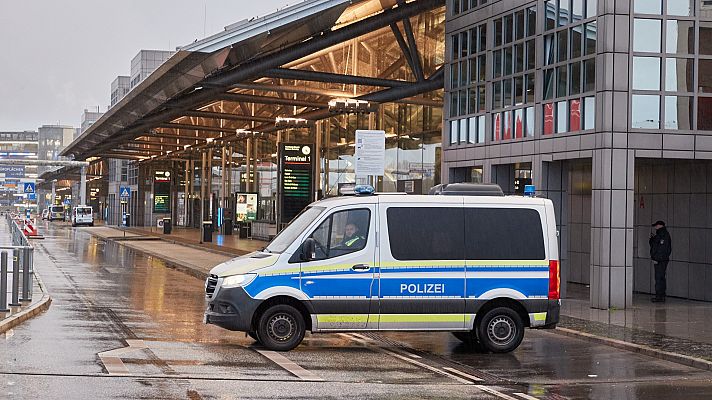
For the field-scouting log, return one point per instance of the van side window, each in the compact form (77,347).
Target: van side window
(343,232)
(503,234)
(426,233)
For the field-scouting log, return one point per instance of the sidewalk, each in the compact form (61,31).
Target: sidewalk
(40,299)
(229,244)
(678,330)
(186,257)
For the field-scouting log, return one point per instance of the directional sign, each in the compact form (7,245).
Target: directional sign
(124,191)
(29,187)
(31,196)
(13,171)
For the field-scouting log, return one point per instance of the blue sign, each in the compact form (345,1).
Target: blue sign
(124,191)
(31,196)
(27,213)
(29,187)
(67,201)
(13,171)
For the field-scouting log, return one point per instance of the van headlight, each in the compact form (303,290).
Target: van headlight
(238,280)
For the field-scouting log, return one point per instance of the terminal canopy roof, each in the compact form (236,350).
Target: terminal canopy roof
(287,64)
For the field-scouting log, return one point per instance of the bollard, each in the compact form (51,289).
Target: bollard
(15,279)
(26,277)
(3,282)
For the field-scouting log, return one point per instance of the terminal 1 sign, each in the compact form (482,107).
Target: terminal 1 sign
(161,192)
(296,179)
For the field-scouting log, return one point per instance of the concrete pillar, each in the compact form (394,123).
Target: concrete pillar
(54,192)
(83,186)
(317,156)
(612,228)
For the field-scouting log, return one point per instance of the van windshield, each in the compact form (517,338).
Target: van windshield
(294,229)
(57,209)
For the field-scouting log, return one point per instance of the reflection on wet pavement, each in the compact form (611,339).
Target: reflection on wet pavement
(107,297)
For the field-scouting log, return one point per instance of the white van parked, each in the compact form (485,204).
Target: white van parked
(469,261)
(56,213)
(82,215)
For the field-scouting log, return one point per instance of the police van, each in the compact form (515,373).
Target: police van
(470,261)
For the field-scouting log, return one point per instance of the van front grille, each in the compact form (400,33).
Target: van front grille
(210,285)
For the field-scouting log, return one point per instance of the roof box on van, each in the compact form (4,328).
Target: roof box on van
(467,189)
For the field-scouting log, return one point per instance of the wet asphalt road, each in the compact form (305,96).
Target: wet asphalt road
(106,297)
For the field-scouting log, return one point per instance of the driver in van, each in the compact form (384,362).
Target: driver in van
(352,239)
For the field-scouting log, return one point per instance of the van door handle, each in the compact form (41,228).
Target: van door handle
(361,267)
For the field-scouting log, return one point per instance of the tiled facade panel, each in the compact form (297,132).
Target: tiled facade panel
(678,192)
(579,222)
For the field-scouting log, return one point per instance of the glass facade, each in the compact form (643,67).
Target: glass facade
(467,84)
(496,82)
(667,58)
(513,77)
(569,75)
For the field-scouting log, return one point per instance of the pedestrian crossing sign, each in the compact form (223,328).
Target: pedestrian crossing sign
(29,187)
(124,191)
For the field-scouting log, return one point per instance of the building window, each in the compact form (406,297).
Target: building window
(645,111)
(569,65)
(663,68)
(468,77)
(513,66)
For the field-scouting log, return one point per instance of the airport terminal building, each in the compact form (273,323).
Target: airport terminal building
(605,106)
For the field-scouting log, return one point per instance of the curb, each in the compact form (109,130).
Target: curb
(41,306)
(638,348)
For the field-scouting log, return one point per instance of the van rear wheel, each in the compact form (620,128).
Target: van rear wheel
(501,330)
(281,328)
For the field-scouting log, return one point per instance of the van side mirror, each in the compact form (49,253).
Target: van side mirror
(308,250)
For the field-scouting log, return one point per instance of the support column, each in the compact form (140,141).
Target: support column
(54,192)
(209,172)
(223,197)
(248,164)
(186,192)
(203,214)
(83,186)
(612,228)
(317,157)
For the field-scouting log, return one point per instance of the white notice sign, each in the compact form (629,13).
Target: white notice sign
(370,153)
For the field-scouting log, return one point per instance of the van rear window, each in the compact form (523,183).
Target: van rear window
(426,233)
(503,234)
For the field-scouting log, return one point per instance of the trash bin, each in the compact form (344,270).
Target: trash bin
(167,226)
(207,231)
(227,226)
(243,231)
(128,220)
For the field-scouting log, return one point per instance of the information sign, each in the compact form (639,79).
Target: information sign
(13,171)
(162,192)
(296,182)
(370,153)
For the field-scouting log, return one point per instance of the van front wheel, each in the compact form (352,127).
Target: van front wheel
(501,330)
(281,328)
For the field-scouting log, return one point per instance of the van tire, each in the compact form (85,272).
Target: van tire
(501,330)
(281,328)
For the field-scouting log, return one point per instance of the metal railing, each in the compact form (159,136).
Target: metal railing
(22,268)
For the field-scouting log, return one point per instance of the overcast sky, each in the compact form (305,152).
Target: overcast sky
(59,57)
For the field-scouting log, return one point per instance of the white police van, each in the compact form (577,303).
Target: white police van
(470,261)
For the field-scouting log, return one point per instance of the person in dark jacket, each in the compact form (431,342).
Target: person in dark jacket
(660,249)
